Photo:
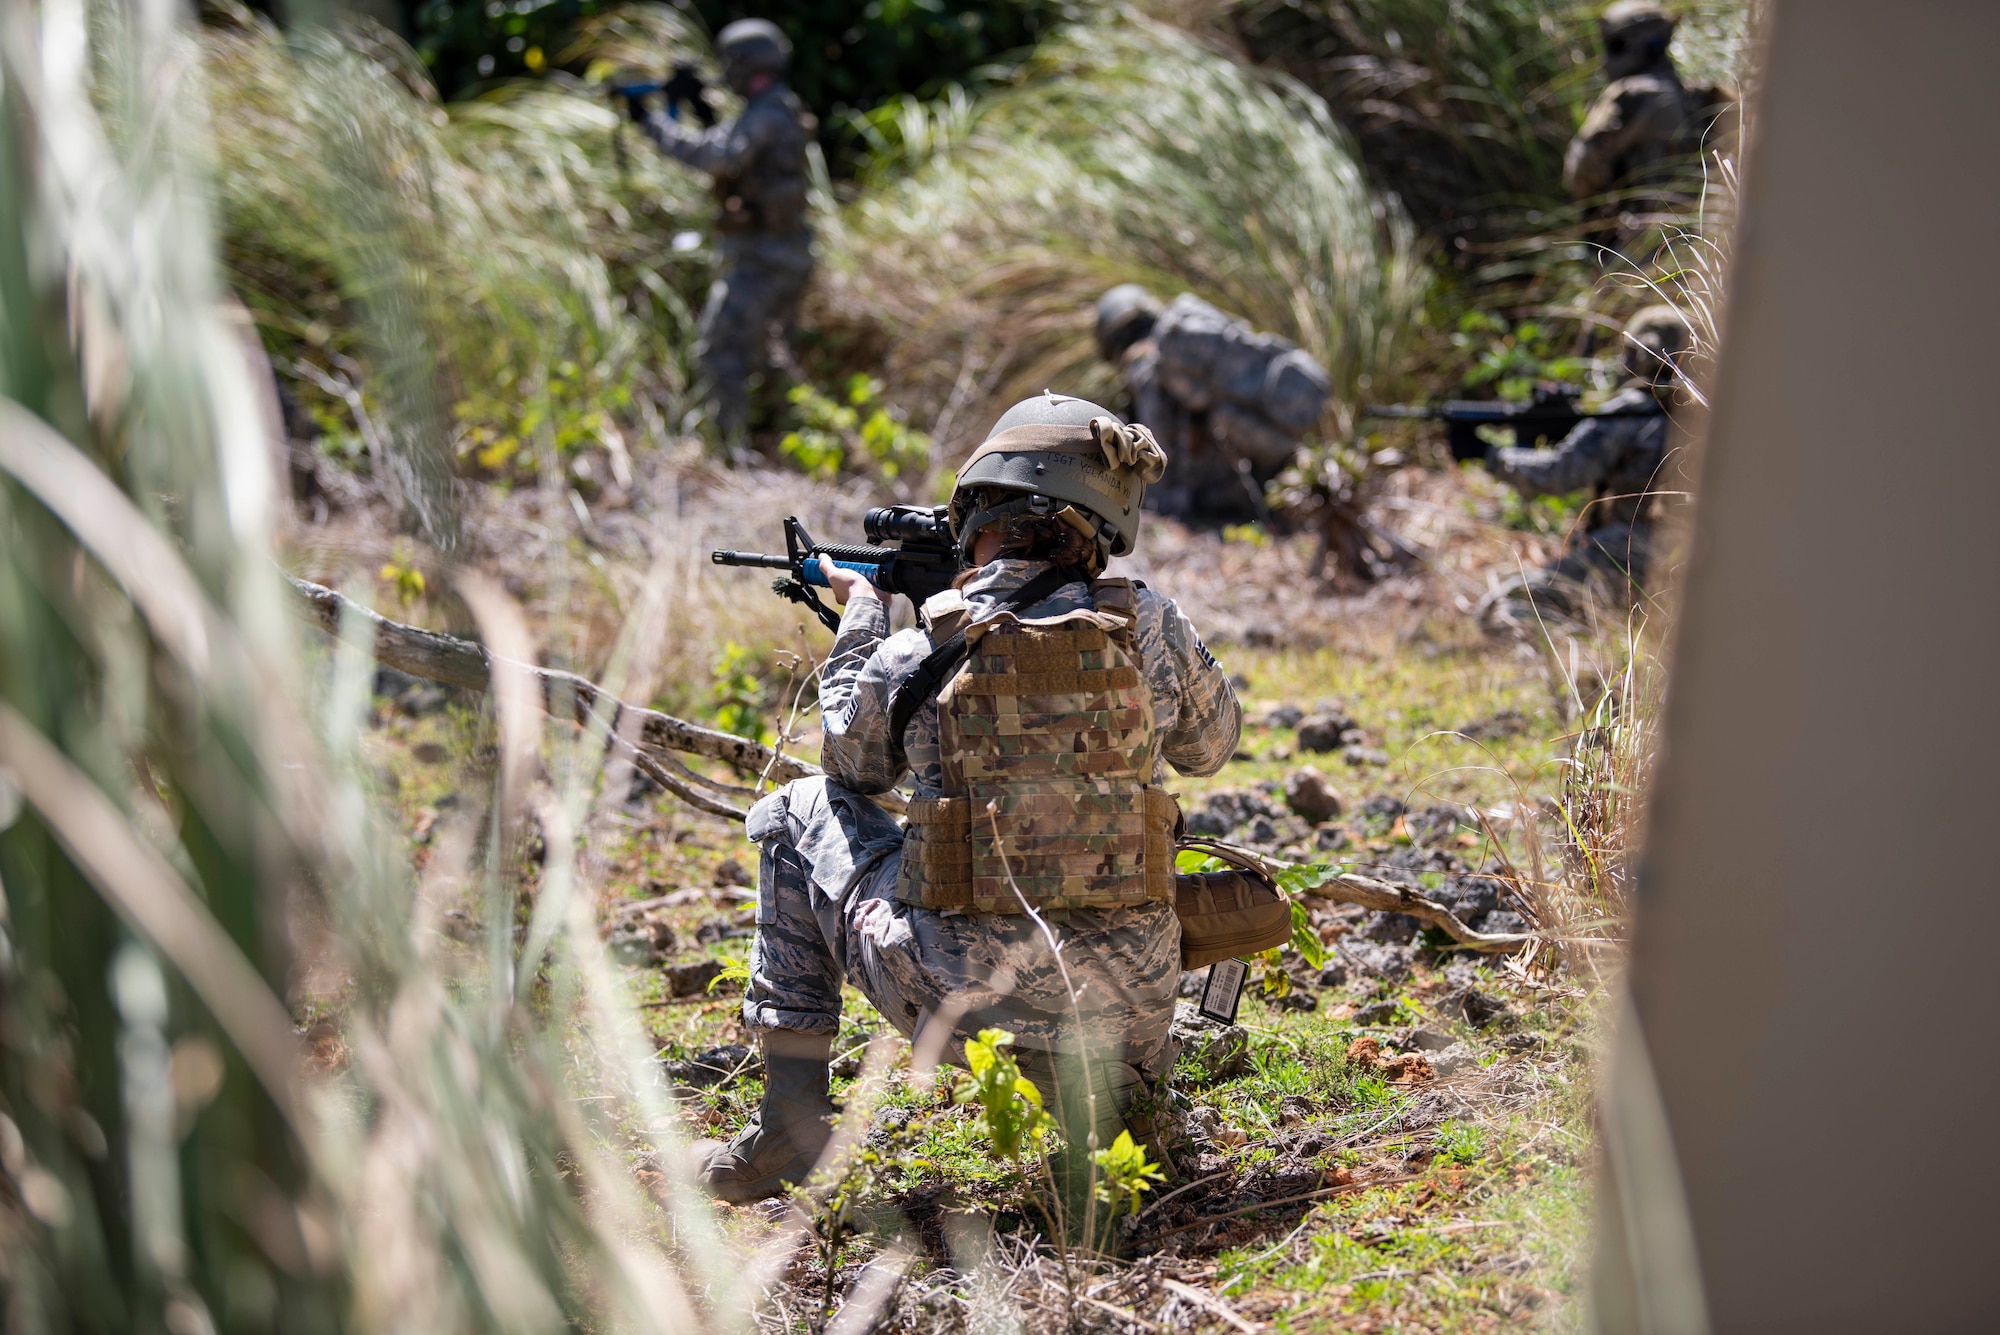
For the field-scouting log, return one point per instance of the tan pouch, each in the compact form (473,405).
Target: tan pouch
(1229,914)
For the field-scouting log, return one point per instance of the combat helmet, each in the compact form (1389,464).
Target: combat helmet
(1125,314)
(1636,35)
(1657,341)
(749,47)
(1043,453)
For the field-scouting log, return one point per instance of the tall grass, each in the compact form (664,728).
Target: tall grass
(1465,110)
(190,857)
(493,277)
(1125,150)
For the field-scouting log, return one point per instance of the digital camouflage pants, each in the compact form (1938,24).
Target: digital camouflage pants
(758,286)
(827,913)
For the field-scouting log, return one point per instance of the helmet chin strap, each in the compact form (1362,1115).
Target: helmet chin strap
(1038,506)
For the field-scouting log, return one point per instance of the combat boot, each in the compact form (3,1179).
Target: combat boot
(782,1142)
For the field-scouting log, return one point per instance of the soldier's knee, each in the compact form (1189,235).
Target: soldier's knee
(784,813)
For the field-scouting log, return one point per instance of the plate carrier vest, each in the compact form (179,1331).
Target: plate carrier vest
(1048,745)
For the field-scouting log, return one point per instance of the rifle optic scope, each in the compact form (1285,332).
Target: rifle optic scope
(920,525)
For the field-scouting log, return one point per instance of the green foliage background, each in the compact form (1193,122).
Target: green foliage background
(847,58)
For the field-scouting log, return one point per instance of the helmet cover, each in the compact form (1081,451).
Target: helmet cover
(1125,314)
(1636,35)
(1044,447)
(749,47)
(1657,341)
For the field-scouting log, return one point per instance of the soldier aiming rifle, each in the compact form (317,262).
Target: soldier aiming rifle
(757,165)
(1039,708)
(1618,454)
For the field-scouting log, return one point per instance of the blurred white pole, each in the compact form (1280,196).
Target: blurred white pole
(1818,913)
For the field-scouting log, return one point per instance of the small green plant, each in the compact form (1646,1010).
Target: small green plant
(1125,1174)
(1551,516)
(1511,359)
(856,429)
(1458,1142)
(497,425)
(401,574)
(742,699)
(731,973)
(1010,1105)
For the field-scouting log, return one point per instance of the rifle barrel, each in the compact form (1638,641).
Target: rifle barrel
(755,560)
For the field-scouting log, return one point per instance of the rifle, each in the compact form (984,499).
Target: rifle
(682,88)
(1547,417)
(922,563)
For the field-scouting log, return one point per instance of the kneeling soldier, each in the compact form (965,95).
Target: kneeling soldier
(1038,708)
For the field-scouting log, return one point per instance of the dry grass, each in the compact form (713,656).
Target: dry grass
(1125,151)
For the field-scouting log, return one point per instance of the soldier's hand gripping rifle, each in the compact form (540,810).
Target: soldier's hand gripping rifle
(683,88)
(923,561)
(1546,418)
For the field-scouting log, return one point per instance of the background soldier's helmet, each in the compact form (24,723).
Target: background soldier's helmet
(749,47)
(1042,458)
(1657,341)
(1636,36)
(1125,314)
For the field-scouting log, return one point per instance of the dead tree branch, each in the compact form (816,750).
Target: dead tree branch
(1368,892)
(653,737)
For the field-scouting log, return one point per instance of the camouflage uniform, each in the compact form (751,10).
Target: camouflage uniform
(1646,122)
(758,163)
(1228,403)
(827,905)
(1634,127)
(1620,459)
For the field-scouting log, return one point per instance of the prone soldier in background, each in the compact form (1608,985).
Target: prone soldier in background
(1228,404)
(758,166)
(1039,707)
(1619,458)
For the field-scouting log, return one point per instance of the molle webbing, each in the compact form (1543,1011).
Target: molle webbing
(938,852)
(1047,741)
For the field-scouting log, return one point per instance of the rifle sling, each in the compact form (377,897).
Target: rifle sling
(938,665)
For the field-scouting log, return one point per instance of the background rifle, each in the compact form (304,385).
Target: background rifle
(681,88)
(1546,418)
(923,561)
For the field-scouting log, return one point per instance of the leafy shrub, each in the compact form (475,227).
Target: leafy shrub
(484,274)
(860,432)
(1010,1105)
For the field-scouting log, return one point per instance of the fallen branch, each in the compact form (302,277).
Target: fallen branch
(1348,888)
(1210,1303)
(466,663)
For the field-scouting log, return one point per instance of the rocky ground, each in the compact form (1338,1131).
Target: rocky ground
(1394,1139)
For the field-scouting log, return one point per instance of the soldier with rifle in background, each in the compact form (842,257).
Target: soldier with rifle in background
(1617,454)
(758,165)
(1647,126)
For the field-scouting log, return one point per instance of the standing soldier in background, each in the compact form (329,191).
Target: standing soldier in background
(758,164)
(1227,403)
(1039,707)
(1647,120)
(1619,460)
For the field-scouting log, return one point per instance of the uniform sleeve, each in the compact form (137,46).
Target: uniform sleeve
(724,150)
(1590,166)
(1586,456)
(1208,718)
(855,685)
